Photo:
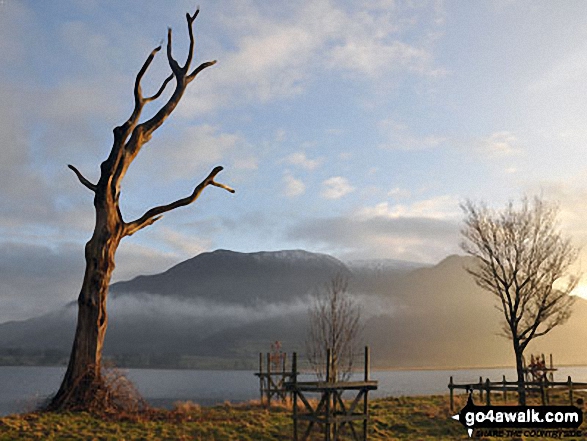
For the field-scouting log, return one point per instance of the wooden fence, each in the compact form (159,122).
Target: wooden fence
(272,380)
(331,412)
(485,388)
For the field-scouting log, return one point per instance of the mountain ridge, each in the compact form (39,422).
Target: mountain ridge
(232,276)
(429,316)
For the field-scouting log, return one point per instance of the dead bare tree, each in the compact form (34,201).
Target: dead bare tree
(335,324)
(524,260)
(83,379)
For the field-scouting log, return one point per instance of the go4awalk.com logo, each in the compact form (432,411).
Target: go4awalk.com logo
(517,421)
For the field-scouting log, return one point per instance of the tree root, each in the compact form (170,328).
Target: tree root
(110,393)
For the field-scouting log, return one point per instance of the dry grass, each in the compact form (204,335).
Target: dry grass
(395,418)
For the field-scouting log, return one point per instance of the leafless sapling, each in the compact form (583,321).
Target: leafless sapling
(335,325)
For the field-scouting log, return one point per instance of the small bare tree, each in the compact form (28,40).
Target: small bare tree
(335,324)
(83,383)
(522,259)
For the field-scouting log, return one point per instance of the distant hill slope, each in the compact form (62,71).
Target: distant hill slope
(222,308)
(245,278)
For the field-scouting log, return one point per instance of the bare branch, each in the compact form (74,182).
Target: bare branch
(139,101)
(155,213)
(182,80)
(172,63)
(190,19)
(141,74)
(199,69)
(82,179)
(219,185)
(160,91)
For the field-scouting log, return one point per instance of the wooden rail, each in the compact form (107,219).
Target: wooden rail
(544,387)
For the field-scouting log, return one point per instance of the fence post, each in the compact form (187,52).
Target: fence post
(450,388)
(328,410)
(487,392)
(328,363)
(570,385)
(505,391)
(261,376)
(268,380)
(365,397)
(294,395)
(542,392)
(481,388)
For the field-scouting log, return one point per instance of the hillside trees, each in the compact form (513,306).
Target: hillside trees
(83,386)
(524,260)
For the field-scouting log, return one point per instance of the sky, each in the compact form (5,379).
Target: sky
(353,128)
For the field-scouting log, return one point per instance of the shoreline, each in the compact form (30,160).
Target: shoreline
(373,369)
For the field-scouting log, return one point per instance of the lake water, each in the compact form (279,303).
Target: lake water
(21,388)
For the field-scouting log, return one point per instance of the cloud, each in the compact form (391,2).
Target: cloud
(17,30)
(407,238)
(80,101)
(441,207)
(336,187)
(199,145)
(53,116)
(269,61)
(399,193)
(246,163)
(65,113)
(276,53)
(229,314)
(172,164)
(571,197)
(398,136)
(15,164)
(371,42)
(182,245)
(134,259)
(38,201)
(424,231)
(372,58)
(564,75)
(500,145)
(35,279)
(293,187)
(300,159)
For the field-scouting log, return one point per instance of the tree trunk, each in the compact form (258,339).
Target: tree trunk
(520,371)
(83,377)
(83,386)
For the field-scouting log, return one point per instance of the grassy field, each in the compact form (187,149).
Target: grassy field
(404,418)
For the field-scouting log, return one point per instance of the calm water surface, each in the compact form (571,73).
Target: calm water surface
(21,388)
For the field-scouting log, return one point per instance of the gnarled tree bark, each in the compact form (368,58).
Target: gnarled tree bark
(82,383)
